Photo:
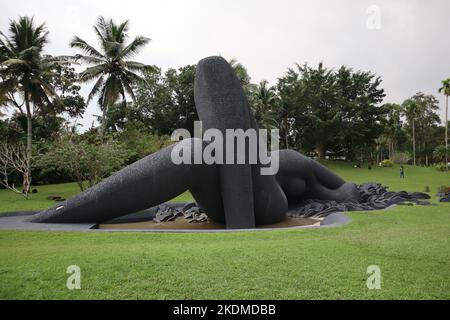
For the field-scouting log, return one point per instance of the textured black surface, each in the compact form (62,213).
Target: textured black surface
(234,194)
(373,196)
(444,197)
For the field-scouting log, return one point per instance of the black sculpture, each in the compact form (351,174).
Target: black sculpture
(234,194)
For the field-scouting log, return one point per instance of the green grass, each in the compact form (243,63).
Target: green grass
(411,245)
(11,202)
(416,177)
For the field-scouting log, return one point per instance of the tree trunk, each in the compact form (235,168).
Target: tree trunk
(103,127)
(393,150)
(286,131)
(26,184)
(414,143)
(80,183)
(321,151)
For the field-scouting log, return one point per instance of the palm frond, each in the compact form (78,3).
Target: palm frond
(137,66)
(88,59)
(134,47)
(133,76)
(112,49)
(6,45)
(119,31)
(85,47)
(13,61)
(93,72)
(112,89)
(46,87)
(127,85)
(95,89)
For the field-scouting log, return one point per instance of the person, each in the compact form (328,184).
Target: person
(402,172)
(234,194)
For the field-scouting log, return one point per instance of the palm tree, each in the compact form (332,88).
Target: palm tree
(24,71)
(114,74)
(445,89)
(411,109)
(263,100)
(242,74)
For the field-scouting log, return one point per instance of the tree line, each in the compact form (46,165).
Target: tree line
(323,112)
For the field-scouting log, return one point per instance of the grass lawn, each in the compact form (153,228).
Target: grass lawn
(11,202)
(411,245)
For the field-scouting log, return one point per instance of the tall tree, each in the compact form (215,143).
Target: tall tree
(181,83)
(25,71)
(292,95)
(114,74)
(412,111)
(421,114)
(165,102)
(362,116)
(263,100)
(324,110)
(393,126)
(445,89)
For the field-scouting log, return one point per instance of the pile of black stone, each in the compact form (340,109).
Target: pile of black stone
(191,212)
(374,196)
(444,196)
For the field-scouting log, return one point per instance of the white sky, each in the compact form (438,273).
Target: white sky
(411,50)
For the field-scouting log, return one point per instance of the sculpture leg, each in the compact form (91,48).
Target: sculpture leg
(221,104)
(248,197)
(148,182)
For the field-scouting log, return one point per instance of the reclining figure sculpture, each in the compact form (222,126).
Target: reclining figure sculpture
(234,194)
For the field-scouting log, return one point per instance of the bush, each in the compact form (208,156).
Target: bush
(82,161)
(401,157)
(441,167)
(427,189)
(387,163)
(439,153)
(141,142)
(443,189)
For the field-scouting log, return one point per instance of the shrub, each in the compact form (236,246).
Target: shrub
(82,161)
(439,153)
(427,189)
(441,167)
(443,189)
(387,163)
(401,157)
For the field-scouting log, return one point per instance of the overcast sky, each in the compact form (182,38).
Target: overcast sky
(408,46)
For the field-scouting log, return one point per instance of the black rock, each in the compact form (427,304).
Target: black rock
(374,196)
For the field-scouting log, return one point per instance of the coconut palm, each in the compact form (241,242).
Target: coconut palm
(445,89)
(264,100)
(242,74)
(114,74)
(25,72)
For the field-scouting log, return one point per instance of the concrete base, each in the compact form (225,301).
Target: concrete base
(19,221)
